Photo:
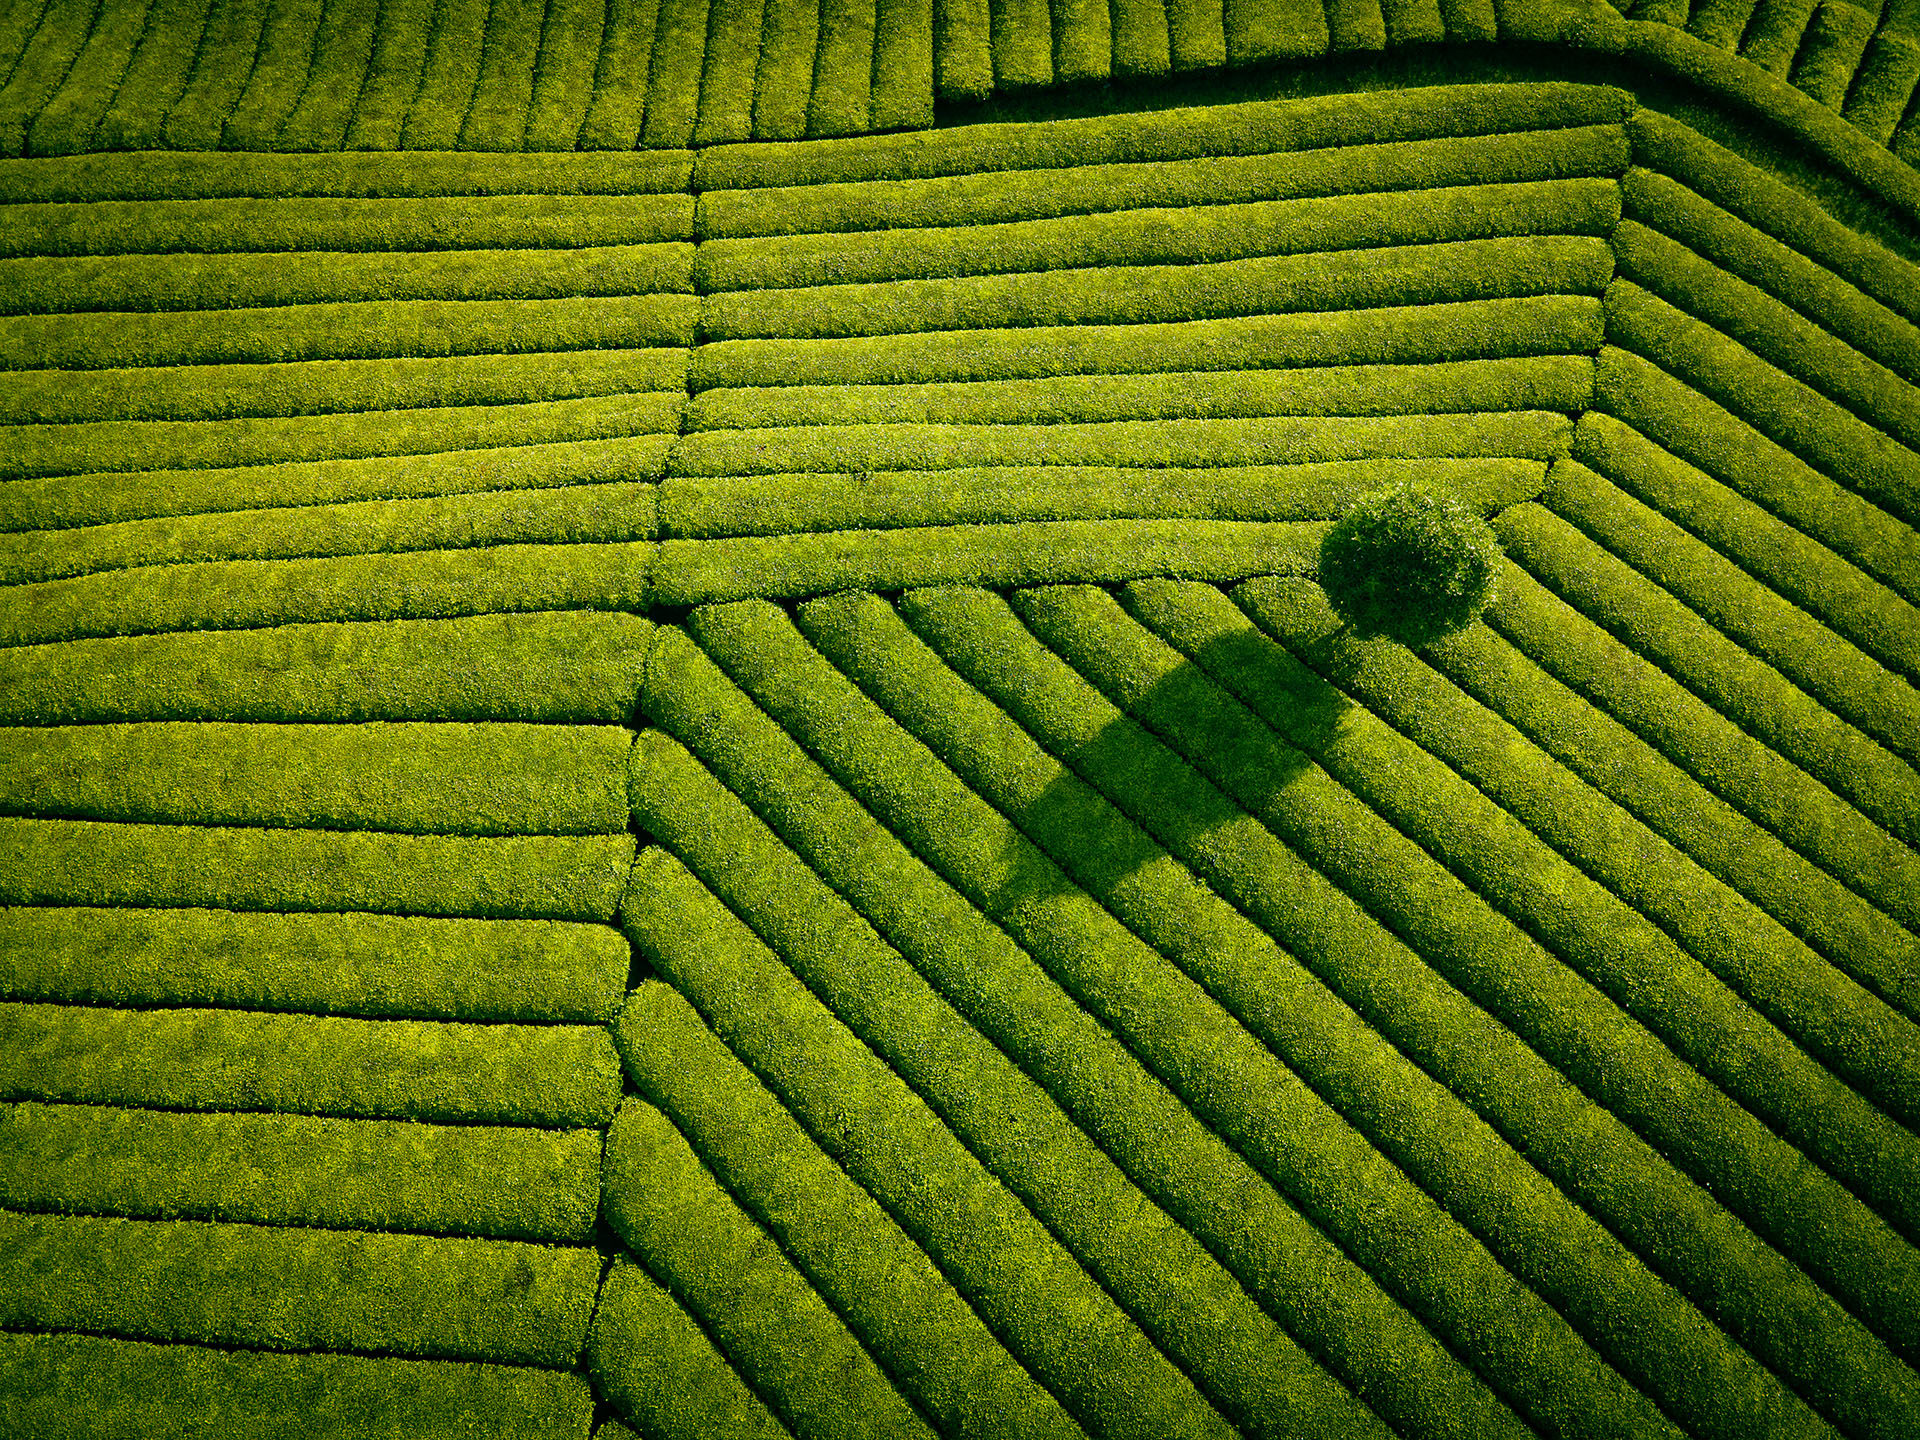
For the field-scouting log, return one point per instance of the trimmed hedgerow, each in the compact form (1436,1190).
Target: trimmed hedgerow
(190,503)
(279,75)
(1758,258)
(1198,1049)
(1081,189)
(1696,429)
(1418,1122)
(393,74)
(496,119)
(726,84)
(709,507)
(1022,41)
(540,971)
(496,1300)
(414,222)
(63,285)
(1256,32)
(412,585)
(492,1180)
(1557,382)
(561,668)
(540,877)
(842,98)
(342,54)
(120,445)
(1401,334)
(789,40)
(448,77)
(655,1363)
(1885,84)
(554,1076)
(446,779)
(1071,1335)
(570,45)
(71,115)
(552,514)
(84,1387)
(692,572)
(1141,44)
(903,62)
(718,1263)
(1193,234)
(156,77)
(1082,41)
(1784,562)
(1410,562)
(1776,794)
(937,1351)
(1744,689)
(17,24)
(621,82)
(679,39)
(1454,271)
(44,64)
(228,47)
(963,70)
(1192,1307)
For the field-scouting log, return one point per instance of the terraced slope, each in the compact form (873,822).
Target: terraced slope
(1029,973)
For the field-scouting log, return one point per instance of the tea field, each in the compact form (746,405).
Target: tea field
(670,764)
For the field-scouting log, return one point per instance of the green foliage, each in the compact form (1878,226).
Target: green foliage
(448,77)
(581,668)
(541,971)
(903,63)
(1022,44)
(620,83)
(841,102)
(1140,41)
(727,80)
(43,64)
(393,75)
(660,1368)
(1410,563)
(722,1266)
(789,41)
(679,38)
(228,47)
(496,119)
(342,52)
(563,84)
(555,1076)
(536,877)
(491,1180)
(73,113)
(493,1300)
(456,779)
(82,1387)
(278,76)
(155,78)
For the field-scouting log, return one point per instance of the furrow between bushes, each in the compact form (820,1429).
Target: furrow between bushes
(551,1076)
(274,1169)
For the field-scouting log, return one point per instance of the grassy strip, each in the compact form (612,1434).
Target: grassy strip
(679,58)
(1194,234)
(1645,1329)
(1550,382)
(405,967)
(726,83)
(454,779)
(563,84)
(187,502)
(342,54)
(1197,132)
(1757,258)
(1346,1188)
(448,78)
(81,1387)
(412,585)
(1403,334)
(279,75)
(620,83)
(228,48)
(537,877)
(554,1076)
(1786,410)
(1072,1337)
(1663,144)
(693,572)
(1192,1307)
(1337,280)
(332,1290)
(1081,191)
(496,119)
(903,64)
(1275,440)
(559,668)
(393,74)
(551,515)
(422,222)
(1874,394)
(73,113)
(1774,793)
(650,1359)
(938,1351)
(373,329)
(710,507)
(842,99)
(1380,1350)
(156,77)
(718,1263)
(1696,429)
(44,64)
(1746,690)
(1783,596)
(121,445)
(789,40)
(490,1180)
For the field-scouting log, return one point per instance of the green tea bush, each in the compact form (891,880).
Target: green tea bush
(448,78)
(228,46)
(721,1265)
(727,79)
(342,52)
(1409,563)
(679,39)
(655,1363)
(494,1180)
(789,40)
(350,963)
(963,60)
(903,64)
(496,117)
(621,81)
(495,1300)
(84,1387)
(563,83)
(393,75)
(1022,45)
(842,98)
(1140,40)
(551,1076)
(74,111)
(43,64)
(156,77)
(279,74)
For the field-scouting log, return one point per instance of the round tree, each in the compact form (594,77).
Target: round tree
(1410,562)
